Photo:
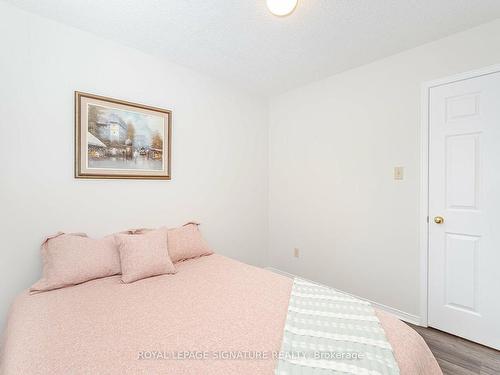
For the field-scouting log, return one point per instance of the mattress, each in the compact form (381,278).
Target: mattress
(215,316)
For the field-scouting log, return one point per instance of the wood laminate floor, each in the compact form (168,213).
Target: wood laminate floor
(458,356)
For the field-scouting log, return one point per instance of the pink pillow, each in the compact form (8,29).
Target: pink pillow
(70,259)
(186,242)
(144,255)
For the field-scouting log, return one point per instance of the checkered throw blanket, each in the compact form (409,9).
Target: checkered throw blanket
(328,332)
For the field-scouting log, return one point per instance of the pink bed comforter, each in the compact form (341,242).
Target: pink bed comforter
(213,305)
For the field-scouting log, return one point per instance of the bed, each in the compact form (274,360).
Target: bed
(212,305)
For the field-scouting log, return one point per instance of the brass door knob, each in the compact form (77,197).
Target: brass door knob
(439,220)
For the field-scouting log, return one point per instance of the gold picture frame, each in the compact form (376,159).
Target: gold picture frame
(116,139)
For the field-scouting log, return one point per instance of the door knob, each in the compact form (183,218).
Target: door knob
(439,220)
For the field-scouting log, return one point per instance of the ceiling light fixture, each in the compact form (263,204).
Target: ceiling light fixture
(281,8)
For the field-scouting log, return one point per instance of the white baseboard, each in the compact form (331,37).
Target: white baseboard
(404,316)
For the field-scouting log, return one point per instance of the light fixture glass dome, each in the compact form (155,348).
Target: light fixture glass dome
(281,7)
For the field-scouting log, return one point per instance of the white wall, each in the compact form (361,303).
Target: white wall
(219,159)
(333,146)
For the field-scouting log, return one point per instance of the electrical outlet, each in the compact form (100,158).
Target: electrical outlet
(296,252)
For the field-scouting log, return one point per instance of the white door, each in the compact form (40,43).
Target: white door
(464,190)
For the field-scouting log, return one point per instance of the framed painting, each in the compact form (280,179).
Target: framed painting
(121,140)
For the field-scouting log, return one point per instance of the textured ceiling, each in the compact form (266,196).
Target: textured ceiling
(241,42)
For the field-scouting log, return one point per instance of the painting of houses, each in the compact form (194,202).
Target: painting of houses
(123,140)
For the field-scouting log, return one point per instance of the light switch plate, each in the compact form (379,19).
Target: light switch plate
(399,173)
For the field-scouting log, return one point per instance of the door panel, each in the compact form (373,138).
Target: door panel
(464,189)
(462,162)
(461,273)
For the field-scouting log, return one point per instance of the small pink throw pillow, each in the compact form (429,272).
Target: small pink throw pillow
(186,242)
(144,255)
(70,259)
